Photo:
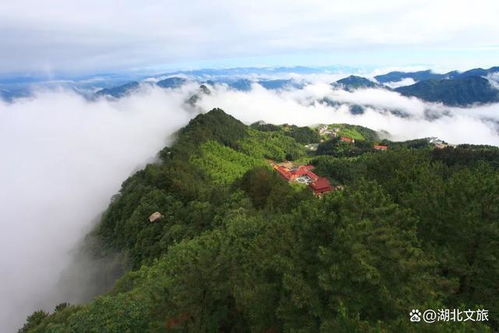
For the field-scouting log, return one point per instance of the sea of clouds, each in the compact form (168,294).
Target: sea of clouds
(63,156)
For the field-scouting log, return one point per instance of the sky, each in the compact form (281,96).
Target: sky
(75,37)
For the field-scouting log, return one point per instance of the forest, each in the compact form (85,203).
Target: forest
(239,249)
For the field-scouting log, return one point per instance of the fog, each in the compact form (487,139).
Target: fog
(477,125)
(63,157)
(62,160)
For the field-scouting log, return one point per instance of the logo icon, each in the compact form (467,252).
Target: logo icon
(415,315)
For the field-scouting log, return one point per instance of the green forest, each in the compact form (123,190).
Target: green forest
(239,249)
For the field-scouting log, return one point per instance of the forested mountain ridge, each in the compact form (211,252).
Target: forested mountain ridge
(238,249)
(456,92)
(429,75)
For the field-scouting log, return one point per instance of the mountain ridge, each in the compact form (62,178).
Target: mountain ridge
(217,240)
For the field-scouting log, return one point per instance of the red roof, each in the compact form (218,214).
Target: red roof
(380,147)
(284,172)
(346,139)
(303,170)
(321,185)
(312,175)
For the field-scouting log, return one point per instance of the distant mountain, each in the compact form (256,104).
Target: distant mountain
(127,88)
(355,82)
(280,84)
(416,76)
(10,94)
(241,84)
(176,82)
(243,71)
(119,91)
(429,75)
(172,82)
(478,72)
(455,92)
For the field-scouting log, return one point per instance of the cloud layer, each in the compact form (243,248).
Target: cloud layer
(62,160)
(63,157)
(303,107)
(58,35)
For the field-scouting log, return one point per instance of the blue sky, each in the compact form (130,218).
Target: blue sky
(75,37)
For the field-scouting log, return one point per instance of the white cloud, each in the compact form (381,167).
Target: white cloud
(62,160)
(475,125)
(402,83)
(494,80)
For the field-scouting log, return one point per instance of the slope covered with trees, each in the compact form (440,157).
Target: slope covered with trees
(238,249)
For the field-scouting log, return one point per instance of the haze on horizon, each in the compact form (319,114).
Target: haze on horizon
(58,36)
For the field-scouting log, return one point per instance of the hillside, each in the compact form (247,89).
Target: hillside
(455,92)
(217,241)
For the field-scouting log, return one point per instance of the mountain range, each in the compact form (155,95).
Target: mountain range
(471,87)
(462,89)
(429,75)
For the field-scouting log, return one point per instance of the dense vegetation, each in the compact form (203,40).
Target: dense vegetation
(238,249)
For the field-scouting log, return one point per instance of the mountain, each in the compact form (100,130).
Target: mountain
(119,91)
(171,82)
(429,75)
(280,84)
(240,84)
(127,88)
(416,76)
(202,91)
(478,72)
(9,94)
(218,240)
(455,92)
(355,82)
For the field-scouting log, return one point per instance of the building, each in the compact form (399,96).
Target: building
(293,173)
(303,174)
(380,147)
(321,185)
(347,139)
(441,145)
(284,172)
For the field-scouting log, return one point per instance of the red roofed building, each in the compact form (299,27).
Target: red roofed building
(303,170)
(318,184)
(284,172)
(312,176)
(380,147)
(321,185)
(347,139)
